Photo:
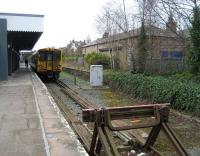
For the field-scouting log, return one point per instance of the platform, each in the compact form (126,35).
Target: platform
(30,122)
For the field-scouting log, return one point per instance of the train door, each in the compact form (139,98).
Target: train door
(49,61)
(42,62)
(56,59)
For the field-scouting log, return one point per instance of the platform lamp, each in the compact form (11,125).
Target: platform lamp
(74,49)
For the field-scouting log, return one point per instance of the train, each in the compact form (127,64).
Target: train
(47,62)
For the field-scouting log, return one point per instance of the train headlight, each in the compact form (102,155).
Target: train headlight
(39,66)
(58,66)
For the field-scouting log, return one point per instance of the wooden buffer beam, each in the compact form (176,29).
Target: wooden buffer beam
(155,117)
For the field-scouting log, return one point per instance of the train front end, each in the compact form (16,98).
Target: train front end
(49,63)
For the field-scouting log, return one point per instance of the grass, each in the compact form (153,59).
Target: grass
(116,99)
(65,75)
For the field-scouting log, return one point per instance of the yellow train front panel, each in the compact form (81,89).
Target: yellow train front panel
(49,62)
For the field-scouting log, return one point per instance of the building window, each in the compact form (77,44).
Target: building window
(164,54)
(171,54)
(105,49)
(176,54)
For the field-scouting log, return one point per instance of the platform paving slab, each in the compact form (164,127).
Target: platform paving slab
(30,122)
(20,130)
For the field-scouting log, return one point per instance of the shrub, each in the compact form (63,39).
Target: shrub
(182,96)
(186,77)
(182,76)
(98,58)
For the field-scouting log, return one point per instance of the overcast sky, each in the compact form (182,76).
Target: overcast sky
(64,19)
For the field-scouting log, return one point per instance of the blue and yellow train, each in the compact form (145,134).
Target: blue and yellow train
(47,62)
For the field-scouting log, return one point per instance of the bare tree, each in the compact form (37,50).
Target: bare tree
(154,12)
(114,17)
(112,20)
(181,10)
(103,21)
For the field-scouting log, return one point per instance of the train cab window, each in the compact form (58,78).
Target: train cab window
(42,57)
(49,57)
(56,56)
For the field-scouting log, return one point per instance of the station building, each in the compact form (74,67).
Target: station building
(17,32)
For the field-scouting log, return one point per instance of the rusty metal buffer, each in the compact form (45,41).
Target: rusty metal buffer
(156,117)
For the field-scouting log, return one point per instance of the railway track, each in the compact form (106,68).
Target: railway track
(74,122)
(81,128)
(83,102)
(78,126)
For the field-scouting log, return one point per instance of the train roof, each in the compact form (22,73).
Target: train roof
(49,49)
(46,50)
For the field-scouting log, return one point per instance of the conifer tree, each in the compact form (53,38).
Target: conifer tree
(142,50)
(194,54)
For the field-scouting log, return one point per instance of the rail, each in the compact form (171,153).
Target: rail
(106,123)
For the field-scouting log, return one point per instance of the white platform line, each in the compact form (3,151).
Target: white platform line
(41,121)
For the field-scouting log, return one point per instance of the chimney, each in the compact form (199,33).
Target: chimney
(105,35)
(171,24)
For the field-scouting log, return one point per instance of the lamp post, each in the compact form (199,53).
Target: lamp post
(75,51)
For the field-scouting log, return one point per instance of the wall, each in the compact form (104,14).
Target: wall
(125,51)
(90,49)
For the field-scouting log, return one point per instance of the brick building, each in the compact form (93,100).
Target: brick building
(162,44)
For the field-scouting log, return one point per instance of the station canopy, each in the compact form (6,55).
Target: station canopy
(23,30)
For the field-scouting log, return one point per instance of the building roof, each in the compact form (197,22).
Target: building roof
(150,30)
(24,30)
(23,22)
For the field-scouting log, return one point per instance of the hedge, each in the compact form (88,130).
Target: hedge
(182,96)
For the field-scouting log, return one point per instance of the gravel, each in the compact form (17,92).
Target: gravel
(70,103)
(84,89)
